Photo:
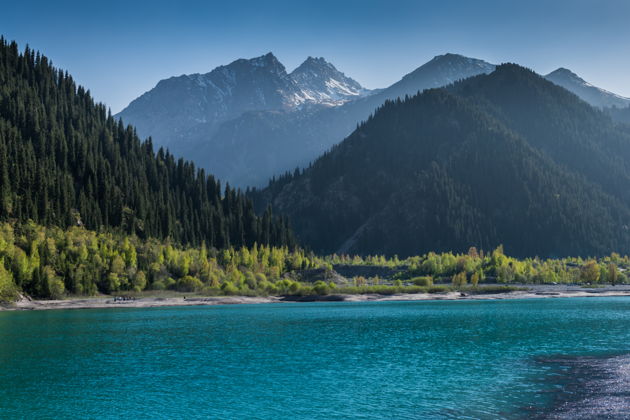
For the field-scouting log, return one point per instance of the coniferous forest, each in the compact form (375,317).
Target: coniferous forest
(65,161)
(505,158)
(87,207)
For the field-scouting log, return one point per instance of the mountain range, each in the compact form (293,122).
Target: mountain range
(179,107)
(501,158)
(275,121)
(251,120)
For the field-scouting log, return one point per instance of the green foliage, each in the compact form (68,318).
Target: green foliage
(494,289)
(506,157)
(321,288)
(8,289)
(229,289)
(139,281)
(613,273)
(189,284)
(48,262)
(422,281)
(590,272)
(475,278)
(65,161)
(459,280)
(496,267)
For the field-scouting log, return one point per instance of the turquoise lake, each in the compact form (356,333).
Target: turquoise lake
(398,360)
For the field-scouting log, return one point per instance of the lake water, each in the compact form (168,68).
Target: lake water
(533,358)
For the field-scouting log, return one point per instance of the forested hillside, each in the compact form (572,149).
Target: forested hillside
(551,119)
(620,115)
(502,158)
(64,160)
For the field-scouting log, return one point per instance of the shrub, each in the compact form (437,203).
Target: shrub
(211,291)
(438,289)
(8,291)
(321,288)
(271,289)
(229,288)
(169,283)
(158,285)
(139,281)
(460,279)
(422,281)
(189,284)
(496,289)
(294,286)
(56,287)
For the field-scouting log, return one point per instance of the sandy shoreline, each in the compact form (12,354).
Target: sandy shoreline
(534,292)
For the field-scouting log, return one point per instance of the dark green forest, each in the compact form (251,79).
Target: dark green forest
(506,158)
(65,161)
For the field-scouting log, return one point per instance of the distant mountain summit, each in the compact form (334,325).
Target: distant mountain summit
(321,83)
(442,70)
(177,104)
(501,158)
(251,120)
(587,92)
(181,108)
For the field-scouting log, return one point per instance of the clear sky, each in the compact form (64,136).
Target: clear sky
(120,49)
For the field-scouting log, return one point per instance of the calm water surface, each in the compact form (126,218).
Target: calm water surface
(403,360)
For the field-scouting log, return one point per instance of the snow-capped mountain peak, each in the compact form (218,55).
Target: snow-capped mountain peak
(321,83)
(587,92)
(265,61)
(261,83)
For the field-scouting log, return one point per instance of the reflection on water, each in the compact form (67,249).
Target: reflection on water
(585,387)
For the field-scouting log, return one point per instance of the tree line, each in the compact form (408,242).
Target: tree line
(50,262)
(504,158)
(65,161)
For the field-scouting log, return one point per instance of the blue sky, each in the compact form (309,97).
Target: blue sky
(120,49)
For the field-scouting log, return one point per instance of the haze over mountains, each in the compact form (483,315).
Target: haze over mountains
(506,158)
(486,155)
(179,107)
(251,120)
(275,121)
